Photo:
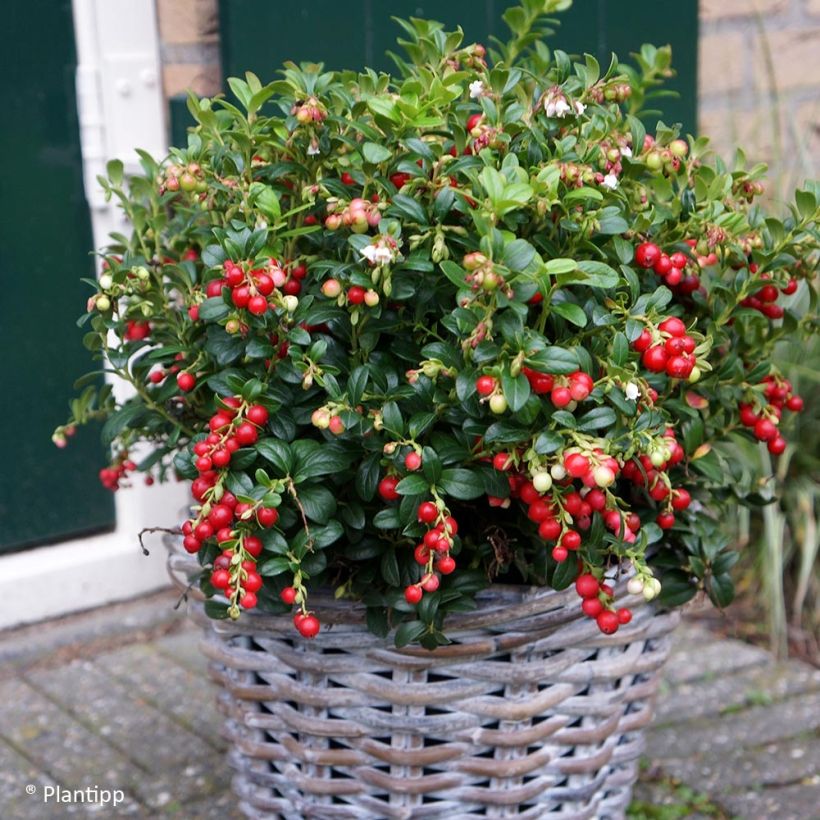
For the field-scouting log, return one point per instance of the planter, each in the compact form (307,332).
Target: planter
(532,712)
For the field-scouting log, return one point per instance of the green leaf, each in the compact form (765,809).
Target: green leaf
(571,312)
(461,484)
(409,632)
(518,254)
(273,566)
(375,153)
(620,349)
(277,453)
(548,442)
(408,207)
(454,272)
(597,418)
(390,568)
(318,503)
(516,390)
(721,590)
(367,477)
(598,274)
(555,360)
(413,485)
(556,266)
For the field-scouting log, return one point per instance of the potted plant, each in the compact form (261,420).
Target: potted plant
(450,360)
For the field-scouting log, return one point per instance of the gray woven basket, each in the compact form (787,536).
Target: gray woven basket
(532,712)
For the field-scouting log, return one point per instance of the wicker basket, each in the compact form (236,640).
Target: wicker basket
(532,712)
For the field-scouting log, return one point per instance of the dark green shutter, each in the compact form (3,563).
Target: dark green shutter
(259,35)
(46,494)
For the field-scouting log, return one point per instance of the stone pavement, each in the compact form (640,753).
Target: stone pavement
(119,699)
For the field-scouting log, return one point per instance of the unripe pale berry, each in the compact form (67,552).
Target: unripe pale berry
(542,481)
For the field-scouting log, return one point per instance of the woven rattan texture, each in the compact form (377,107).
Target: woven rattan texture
(530,713)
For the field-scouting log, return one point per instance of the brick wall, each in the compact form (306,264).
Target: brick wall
(759,69)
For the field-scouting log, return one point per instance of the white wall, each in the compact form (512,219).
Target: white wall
(120,104)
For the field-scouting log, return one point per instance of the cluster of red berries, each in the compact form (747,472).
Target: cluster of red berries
(597,601)
(649,471)
(111,476)
(356,295)
(562,389)
(763,300)
(306,623)
(234,425)
(359,214)
(669,348)
(236,578)
(764,425)
(433,552)
(670,267)
(188,177)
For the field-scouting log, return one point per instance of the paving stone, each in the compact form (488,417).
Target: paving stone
(755,726)
(759,685)
(175,690)
(15,774)
(62,748)
(184,649)
(115,711)
(177,786)
(109,625)
(221,807)
(797,802)
(776,764)
(707,662)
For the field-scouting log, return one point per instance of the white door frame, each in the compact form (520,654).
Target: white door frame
(120,106)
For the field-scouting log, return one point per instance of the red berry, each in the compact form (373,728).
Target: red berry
(681,499)
(267,516)
(663,265)
(257,414)
(571,540)
(288,595)
(186,381)
(427,512)
(765,430)
(560,396)
(253,545)
(673,326)
(794,403)
(191,543)
(678,260)
(347,179)
(559,554)
(413,594)
(502,461)
(624,615)
(592,607)
(643,341)
(485,385)
(647,254)
(355,295)
(253,583)
(246,433)
(607,622)
(308,626)
(549,529)
(790,288)
(220,578)
(587,586)
(257,305)
(576,464)
(776,445)
(387,488)
(220,516)
(412,461)
(446,565)
(665,520)
(654,358)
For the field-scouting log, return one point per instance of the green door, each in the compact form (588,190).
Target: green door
(46,494)
(259,35)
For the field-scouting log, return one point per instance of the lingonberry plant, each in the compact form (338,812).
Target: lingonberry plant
(407,336)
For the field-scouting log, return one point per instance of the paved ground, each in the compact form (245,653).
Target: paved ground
(119,699)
